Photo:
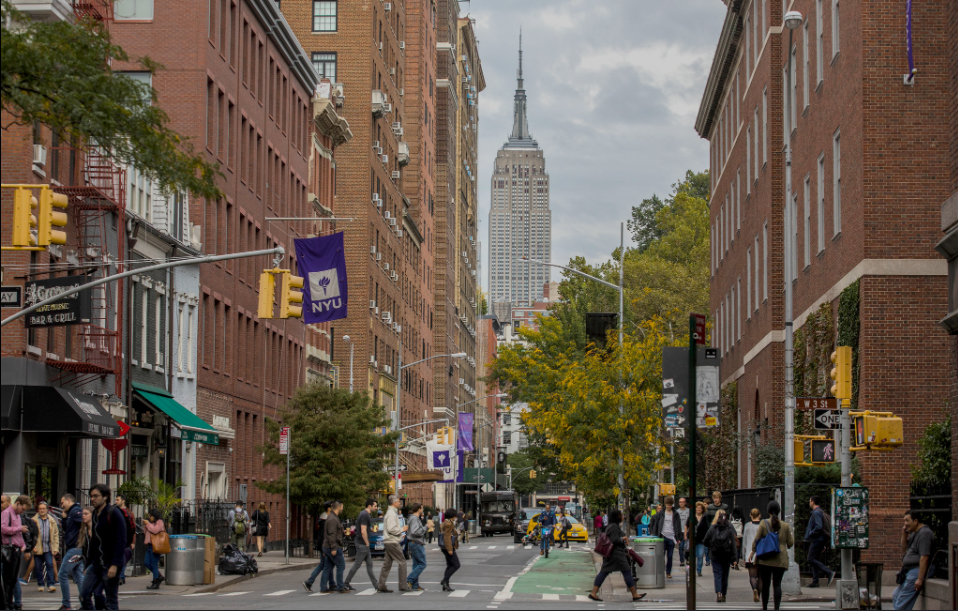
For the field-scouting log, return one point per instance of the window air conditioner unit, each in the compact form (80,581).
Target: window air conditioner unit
(388,6)
(397,174)
(396,126)
(379,256)
(387,214)
(372,360)
(402,45)
(380,46)
(402,92)
(377,311)
(473,272)
(387,369)
(372,249)
(462,381)
(376,144)
(386,266)
(39,154)
(395,276)
(399,233)
(388,107)
(379,204)
(375,198)
(392,222)
(392,72)
(372,305)
(385,159)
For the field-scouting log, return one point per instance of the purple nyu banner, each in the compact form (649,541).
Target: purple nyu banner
(322,263)
(465,432)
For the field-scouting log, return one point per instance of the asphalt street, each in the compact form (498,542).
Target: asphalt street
(495,574)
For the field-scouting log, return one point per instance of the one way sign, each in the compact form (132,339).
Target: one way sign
(828,420)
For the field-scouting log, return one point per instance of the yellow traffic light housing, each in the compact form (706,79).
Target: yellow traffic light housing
(532,474)
(51,218)
(267,289)
(842,373)
(289,298)
(877,431)
(24,219)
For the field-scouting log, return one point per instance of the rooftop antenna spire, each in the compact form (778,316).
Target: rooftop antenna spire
(519,77)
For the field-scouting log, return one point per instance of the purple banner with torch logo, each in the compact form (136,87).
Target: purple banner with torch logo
(322,263)
(465,432)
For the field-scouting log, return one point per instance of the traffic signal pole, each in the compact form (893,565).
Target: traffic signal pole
(279,252)
(693,433)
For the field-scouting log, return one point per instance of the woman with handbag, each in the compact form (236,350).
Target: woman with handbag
(772,565)
(261,526)
(159,544)
(448,544)
(613,545)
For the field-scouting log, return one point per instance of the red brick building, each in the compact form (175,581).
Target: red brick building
(869,173)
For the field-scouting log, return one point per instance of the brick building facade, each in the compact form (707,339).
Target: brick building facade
(868,175)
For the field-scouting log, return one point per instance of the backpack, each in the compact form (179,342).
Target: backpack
(827,525)
(130,526)
(239,524)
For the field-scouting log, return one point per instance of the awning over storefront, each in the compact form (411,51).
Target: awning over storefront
(192,427)
(49,409)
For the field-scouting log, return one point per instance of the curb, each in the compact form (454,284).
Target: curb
(216,587)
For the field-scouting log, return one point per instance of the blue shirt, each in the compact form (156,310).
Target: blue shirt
(72,522)
(815,531)
(547,518)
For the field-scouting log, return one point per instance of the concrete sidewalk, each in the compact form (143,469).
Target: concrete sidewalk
(271,562)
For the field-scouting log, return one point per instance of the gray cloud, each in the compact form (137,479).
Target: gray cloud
(613,90)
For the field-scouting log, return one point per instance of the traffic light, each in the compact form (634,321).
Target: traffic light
(24,219)
(842,373)
(51,218)
(267,289)
(877,430)
(289,298)
(532,474)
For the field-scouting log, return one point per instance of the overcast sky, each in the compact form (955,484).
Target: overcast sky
(614,87)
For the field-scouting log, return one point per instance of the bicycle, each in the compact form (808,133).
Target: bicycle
(545,535)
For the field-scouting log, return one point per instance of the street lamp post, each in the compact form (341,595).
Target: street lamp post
(792,21)
(351,346)
(621,288)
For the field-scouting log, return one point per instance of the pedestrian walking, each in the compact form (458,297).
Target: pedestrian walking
(723,547)
(430,528)
(30,541)
(333,549)
(605,520)
(72,565)
(238,521)
(772,567)
(701,525)
(710,510)
(155,529)
(392,539)
(448,544)
(261,526)
(684,513)
(12,530)
(105,553)
(918,547)
(130,535)
(738,524)
(748,538)
(83,540)
(618,560)
(817,535)
(597,523)
(565,525)
(417,546)
(318,543)
(667,525)
(363,555)
(46,547)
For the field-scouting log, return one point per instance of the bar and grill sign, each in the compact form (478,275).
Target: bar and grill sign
(74,309)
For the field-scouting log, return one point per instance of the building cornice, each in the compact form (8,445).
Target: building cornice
(329,123)
(721,67)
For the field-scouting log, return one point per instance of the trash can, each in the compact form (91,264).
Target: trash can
(651,575)
(869,584)
(181,561)
(199,558)
(473,526)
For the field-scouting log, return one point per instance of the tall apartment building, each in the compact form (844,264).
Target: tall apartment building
(869,173)
(520,221)
(948,246)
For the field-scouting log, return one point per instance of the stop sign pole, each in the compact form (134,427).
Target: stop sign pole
(284,449)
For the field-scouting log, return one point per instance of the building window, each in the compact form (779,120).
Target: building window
(821,202)
(748,284)
(765,125)
(324,15)
(793,89)
(157,335)
(765,262)
(819,41)
(808,219)
(835,27)
(145,315)
(133,10)
(180,339)
(506,438)
(325,65)
(756,274)
(748,161)
(793,268)
(837,183)
(805,65)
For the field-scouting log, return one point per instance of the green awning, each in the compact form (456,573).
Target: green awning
(192,427)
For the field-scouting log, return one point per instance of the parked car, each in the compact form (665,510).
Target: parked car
(525,516)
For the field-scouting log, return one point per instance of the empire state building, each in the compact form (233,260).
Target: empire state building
(520,222)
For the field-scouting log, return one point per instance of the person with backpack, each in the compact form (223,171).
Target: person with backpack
(817,534)
(772,559)
(261,527)
(154,528)
(723,549)
(618,559)
(738,523)
(238,521)
(566,526)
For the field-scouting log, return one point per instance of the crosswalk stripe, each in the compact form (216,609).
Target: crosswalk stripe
(320,594)
(511,547)
(503,595)
(492,547)
(196,595)
(552,597)
(234,594)
(412,593)
(280,593)
(368,592)
(582,598)
(460,594)
(474,547)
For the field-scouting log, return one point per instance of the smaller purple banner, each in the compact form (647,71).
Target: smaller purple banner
(461,471)
(465,432)
(322,264)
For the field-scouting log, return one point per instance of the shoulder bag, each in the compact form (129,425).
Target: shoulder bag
(768,545)
(603,546)
(160,542)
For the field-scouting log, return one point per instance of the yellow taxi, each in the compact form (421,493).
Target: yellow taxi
(577,533)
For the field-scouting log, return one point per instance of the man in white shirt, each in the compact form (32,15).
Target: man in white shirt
(392,541)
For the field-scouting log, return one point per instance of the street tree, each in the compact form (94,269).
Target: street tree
(58,73)
(337,450)
(522,483)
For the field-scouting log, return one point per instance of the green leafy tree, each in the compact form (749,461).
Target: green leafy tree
(643,225)
(933,467)
(522,482)
(58,73)
(336,450)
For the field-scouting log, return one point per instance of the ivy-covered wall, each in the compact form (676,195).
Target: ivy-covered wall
(849,329)
(721,444)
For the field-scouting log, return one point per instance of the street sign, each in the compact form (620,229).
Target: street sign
(11,297)
(667,489)
(284,440)
(816,403)
(401,468)
(124,428)
(823,450)
(828,420)
(114,446)
(72,310)
(699,329)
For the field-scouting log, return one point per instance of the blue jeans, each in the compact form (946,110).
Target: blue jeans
(339,563)
(418,554)
(43,569)
(720,574)
(545,540)
(699,557)
(905,595)
(669,548)
(320,572)
(70,569)
(815,551)
(17,594)
(683,547)
(152,562)
(95,577)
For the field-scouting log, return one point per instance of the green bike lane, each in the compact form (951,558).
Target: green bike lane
(563,573)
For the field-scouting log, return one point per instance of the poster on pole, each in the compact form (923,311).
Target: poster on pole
(322,262)
(676,397)
(850,518)
(284,440)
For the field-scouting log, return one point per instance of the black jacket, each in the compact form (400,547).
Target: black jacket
(618,560)
(721,542)
(108,540)
(658,523)
(72,522)
(701,529)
